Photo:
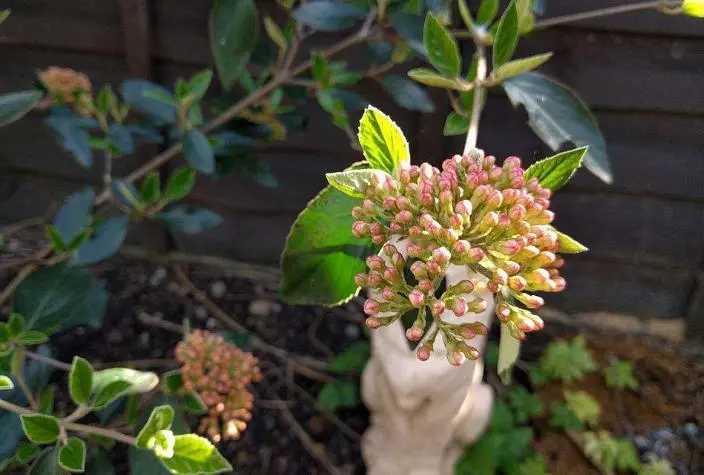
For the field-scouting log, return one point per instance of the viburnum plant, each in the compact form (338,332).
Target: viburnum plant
(490,216)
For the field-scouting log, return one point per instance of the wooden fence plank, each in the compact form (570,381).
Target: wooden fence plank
(135,26)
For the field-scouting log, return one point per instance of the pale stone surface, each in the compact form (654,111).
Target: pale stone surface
(423,413)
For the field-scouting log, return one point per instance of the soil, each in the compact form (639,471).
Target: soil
(670,398)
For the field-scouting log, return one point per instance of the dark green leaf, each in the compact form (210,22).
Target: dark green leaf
(193,404)
(354,183)
(380,51)
(410,27)
(160,419)
(98,463)
(525,405)
(145,132)
(46,400)
(16,324)
(321,257)
(39,428)
(173,381)
(55,297)
(190,220)
(481,458)
(54,236)
(199,84)
(195,454)
(198,151)
(47,463)
(407,94)
(105,242)
(441,47)
(520,66)
(180,183)
(433,79)
(80,380)
(352,360)
(327,15)
(73,138)
(382,141)
(558,116)
(150,191)
(26,453)
(233,29)
(554,172)
(16,105)
(121,138)
(455,124)
(339,394)
(487,11)
(74,214)
(562,418)
(72,456)
(32,338)
(569,245)
(506,36)
(126,193)
(151,99)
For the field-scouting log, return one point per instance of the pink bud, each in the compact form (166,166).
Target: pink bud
(495,174)
(388,294)
(373,323)
(441,255)
(494,198)
(425,286)
(458,306)
(375,263)
(560,284)
(467,333)
(509,247)
(500,276)
(533,301)
(517,212)
(475,255)
(368,205)
(375,280)
(455,358)
(395,227)
(403,203)
(419,270)
(423,353)
(503,312)
(464,208)
(389,202)
(414,334)
(437,308)
(379,239)
(465,286)
(517,283)
(360,279)
(390,250)
(477,305)
(511,267)
(426,170)
(512,162)
(357,212)
(392,276)
(446,198)
(416,298)
(426,199)
(404,217)
(360,229)
(414,250)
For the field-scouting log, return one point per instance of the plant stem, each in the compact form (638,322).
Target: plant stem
(478,104)
(660,5)
(107,173)
(49,361)
(27,392)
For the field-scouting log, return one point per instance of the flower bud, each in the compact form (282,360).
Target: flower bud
(379,239)
(395,227)
(388,294)
(437,308)
(425,286)
(369,206)
(464,208)
(403,203)
(376,263)
(455,357)
(419,270)
(375,280)
(417,298)
(442,256)
(512,162)
(371,307)
(475,255)
(360,229)
(423,353)
(392,276)
(464,286)
(404,217)
(517,283)
(511,267)
(415,232)
(361,279)
(458,306)
(357,212)
(372,323)
(500,276)
(477,305)
(389,203)
(414,333)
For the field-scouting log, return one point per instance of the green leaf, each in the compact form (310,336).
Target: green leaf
(80,380)
(321,257)
(520,66)
(619,375)
(506,36)
(73,138)
(327,15)
(57,243)
(16,324)
(558,116)
(173,381)
(104,243)
(382,141)
(233,29)
(433,79)
(26,453)
(567,361)
(455,124)
(487,11)
(509,349)
(160,419)
(105,387)
(554,172)
(198,151)
(46,400)
(693,8)
(275,34)
(193,404)
(60,297)
(584,406)
(16,105)
(190,220)
(441,47)
(526,18)
(4,14)
(32,338)
(339,394)
(525,405)
(480,458)
(72,456)
(195,455)
(180,183)
(6,383)
(47,463)
(121,140)
(39,428)
(150,191)
(352,360)
(568,245)
(198,85)
(407,94)
(74,214)
(466,15)
(354,183)
(410,27)
(98,463)
(151,99)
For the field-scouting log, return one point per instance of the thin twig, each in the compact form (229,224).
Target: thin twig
(26,391)
(308,443)
(49,361)
(660,5)
(21,275)
(312,329)
(23,224)
(330,416)
(147,319)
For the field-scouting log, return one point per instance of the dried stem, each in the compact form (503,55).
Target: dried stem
(49,361)
(659,5)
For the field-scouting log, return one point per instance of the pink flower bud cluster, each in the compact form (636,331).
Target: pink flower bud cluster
(221,374)
(472,213)
(67,86)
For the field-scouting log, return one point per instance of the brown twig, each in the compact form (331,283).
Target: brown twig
(339,423)
(312,329)
(25,272)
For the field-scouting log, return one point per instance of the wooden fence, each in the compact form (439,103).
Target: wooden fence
(641,73)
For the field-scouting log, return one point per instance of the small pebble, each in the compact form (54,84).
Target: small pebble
(218,289)
(690,430)
(173,287)
(158,276)
(642,442)
(352,331)
(260,308)
(201,312)
(210,323)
